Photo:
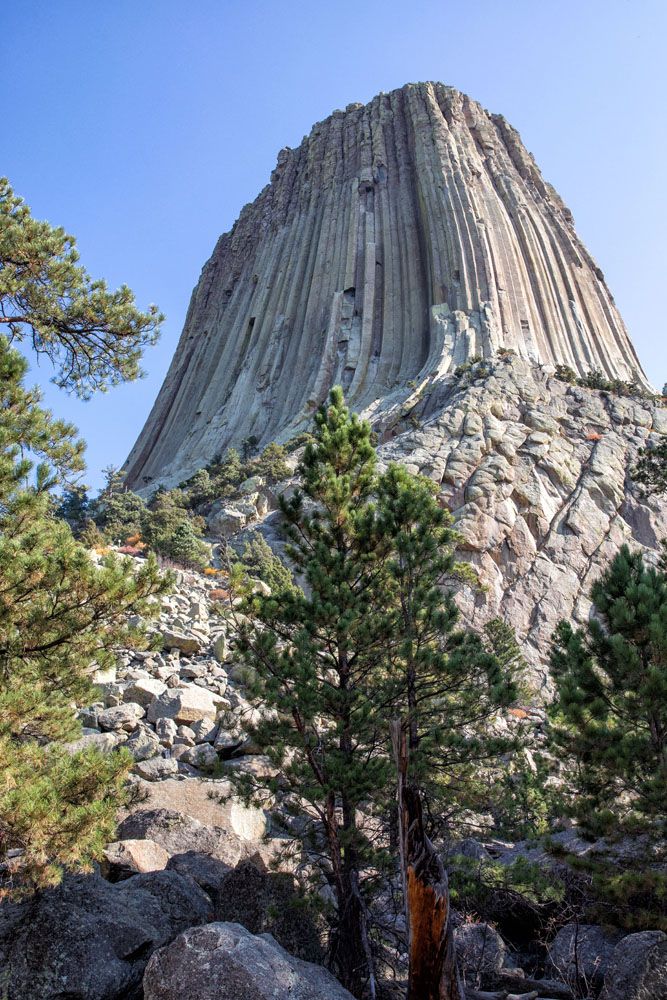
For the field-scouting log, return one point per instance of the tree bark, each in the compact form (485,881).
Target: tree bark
(433,973)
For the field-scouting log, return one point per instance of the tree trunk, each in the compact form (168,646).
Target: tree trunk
(433,974)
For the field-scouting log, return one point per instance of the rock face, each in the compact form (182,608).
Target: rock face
(536,473)
(398,240)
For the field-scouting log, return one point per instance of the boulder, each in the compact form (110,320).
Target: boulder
(480,951)
(638,968)
(144,690)
(224,961)
(580,954)
(188,644)
(124,858)
(184,705)
(156,768)
(202,756)
(178,833)
(104,742)
(90,940)
(125,717)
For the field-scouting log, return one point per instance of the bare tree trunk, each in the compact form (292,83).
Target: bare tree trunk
(433,974)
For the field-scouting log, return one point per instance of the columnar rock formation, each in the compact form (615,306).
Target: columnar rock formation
(399,239)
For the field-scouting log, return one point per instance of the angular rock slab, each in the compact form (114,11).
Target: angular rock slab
(224,961)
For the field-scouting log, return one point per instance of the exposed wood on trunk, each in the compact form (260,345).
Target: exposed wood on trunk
(433,974)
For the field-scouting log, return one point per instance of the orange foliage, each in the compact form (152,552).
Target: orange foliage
(518,713)
(211,571)
(219,594)
(593,436)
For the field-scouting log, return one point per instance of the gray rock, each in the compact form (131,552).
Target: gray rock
(156,768)
(89,939)
(481,952)
(580,954)
(224,961)
(179,834)
(184,705)
(638,968)
(125,717)
(144,690)
(202,756)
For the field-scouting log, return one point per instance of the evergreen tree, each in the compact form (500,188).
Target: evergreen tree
(74,508)
(60,615)
(370,637)
(612,698)
(651,469)
(93,337)
(449,688)
(170,530)
(120,515)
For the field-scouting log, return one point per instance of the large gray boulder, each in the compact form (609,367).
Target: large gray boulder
(638,968)
(178,834)
(580,954)
(90,940)
(480,951)
(224,961)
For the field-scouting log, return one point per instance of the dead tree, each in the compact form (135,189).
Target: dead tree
(433,973)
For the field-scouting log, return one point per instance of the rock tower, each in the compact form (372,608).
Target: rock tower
(399,239)
(402,240)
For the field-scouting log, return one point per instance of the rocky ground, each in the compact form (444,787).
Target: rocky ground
(184,906)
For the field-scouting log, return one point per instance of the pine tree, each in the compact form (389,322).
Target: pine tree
(60,615)
(612,698)
(93,337)
(449,686)
(74,508)
(371,636)
(651,469)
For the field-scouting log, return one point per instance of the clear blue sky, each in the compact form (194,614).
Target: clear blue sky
(143,126)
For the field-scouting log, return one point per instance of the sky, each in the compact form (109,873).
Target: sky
(144,127)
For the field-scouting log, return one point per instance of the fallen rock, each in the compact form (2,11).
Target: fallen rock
(188,644)
(184,705)
(179,834)
(89,939)
(124,858)
(125,717)
(580,954)
(224,961)
(638,968)
(156,768)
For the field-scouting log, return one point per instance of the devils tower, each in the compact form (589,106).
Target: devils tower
(399,239)
(410,251)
